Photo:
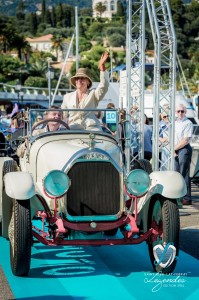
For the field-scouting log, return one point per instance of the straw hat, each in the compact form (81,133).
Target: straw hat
(82,72)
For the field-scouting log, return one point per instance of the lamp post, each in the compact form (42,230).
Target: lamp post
(21,97)
(49,75)
(18,89)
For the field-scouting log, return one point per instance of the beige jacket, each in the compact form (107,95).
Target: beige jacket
(85,119)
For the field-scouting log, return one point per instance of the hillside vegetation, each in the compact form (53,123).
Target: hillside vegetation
(59,20)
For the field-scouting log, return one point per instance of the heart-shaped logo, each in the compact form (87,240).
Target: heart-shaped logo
(164,254)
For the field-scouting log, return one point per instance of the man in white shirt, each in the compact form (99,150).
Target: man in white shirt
(183,150)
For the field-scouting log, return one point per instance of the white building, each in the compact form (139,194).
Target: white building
(44,44)
(111,8)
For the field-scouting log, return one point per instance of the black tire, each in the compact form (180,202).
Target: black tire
(166,214)
(20,235)
(145,165)
(9,166)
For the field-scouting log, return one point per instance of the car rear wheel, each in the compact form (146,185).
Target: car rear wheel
(20,235)
(164,213)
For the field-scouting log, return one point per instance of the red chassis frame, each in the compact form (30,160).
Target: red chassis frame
(126,222)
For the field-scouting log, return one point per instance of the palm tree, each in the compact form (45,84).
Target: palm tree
(57,44)
(27,51)
(100,8)
(38,67)
(18,42)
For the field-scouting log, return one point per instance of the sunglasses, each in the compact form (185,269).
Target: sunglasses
(164,117)
(180,111)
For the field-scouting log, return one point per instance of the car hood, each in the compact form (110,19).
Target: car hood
(47,154)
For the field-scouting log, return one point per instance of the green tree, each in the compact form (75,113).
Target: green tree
(20,10)
(59,14)
(53,17)
(116,40)
(120,10)
(43,11)
(36,81)
(48,17)
(57,44)
(87,12)
(84,45)
(68,13)
(95,30)
(38,67)
(8,35)
(33,23)
(18,42)
(8,65)
(100,8)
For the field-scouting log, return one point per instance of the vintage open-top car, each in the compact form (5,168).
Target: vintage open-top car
(72,187)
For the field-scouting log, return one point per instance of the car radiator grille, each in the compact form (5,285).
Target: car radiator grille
(94,190)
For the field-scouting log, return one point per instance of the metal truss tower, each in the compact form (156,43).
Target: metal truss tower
(164,41)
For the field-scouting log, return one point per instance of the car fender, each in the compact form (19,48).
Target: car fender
(19,185)
(169,184)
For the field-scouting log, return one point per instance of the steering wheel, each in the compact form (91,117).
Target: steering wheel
(51,120)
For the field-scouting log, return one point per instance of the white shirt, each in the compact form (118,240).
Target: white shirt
(183,129)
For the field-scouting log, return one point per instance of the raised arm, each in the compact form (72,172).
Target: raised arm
(103,60)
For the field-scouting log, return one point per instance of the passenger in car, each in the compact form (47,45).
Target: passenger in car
(86,98)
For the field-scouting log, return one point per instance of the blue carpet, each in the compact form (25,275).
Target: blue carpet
(100,273)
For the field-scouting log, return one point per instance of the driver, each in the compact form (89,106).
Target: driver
(50,126)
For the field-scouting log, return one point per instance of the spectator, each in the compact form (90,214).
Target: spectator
(37,120)
(164,141)
(85,98)
(183,150)
(147,139)
(14,125)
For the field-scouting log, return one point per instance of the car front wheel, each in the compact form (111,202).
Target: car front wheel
(164,217)
(20,235)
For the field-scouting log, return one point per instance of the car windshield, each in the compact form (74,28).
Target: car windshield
(74,120)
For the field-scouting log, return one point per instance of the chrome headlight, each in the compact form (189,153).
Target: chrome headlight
(137,182)
(56,183)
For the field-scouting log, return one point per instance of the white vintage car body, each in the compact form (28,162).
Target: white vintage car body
(98,199)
